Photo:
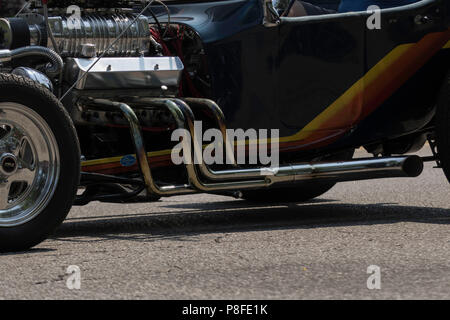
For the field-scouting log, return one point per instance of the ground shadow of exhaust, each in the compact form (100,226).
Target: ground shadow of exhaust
(242,216)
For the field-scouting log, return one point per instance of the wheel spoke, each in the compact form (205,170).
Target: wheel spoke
(21,148)
(18,142)
(13,141)
(15,133)
(24,175)
(25,155)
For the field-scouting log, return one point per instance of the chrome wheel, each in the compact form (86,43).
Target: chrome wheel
(29,164)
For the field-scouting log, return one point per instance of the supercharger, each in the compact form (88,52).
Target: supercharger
(72,33)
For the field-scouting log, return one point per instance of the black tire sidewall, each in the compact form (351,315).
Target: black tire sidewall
(20,90)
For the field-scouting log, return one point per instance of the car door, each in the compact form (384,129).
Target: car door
(321,60)
(404,68)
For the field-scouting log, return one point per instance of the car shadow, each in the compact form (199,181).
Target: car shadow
(28,252)
(240,216)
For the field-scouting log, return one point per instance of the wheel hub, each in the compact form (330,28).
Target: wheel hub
(8,164)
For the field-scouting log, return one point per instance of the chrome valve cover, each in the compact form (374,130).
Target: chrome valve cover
(125,73)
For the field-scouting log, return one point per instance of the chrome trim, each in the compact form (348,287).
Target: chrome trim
(8,170)
(27,190)
(141,153)
(219,117)
(5,55)
(358,169)
(265,177)
(125,73)
(101,31)
(271,17)
(34,75)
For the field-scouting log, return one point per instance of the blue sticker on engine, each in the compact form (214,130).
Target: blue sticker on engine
(128,161)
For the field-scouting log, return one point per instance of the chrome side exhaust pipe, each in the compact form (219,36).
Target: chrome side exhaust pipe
(241,179)
(353,170)
(362,169)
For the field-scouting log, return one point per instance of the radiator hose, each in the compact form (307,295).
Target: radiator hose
(55,66)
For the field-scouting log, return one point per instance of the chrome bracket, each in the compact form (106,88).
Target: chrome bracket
(434,150)
(271,16)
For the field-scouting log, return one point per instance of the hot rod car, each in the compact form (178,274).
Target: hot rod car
(90,96)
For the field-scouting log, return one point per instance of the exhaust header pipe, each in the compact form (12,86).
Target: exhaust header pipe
(242,179)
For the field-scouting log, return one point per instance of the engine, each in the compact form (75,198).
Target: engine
(131,57)
(60,46)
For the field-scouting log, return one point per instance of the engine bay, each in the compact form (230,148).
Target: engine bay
(93,29)
(109,50)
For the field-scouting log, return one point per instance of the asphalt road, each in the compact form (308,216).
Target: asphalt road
(213,247)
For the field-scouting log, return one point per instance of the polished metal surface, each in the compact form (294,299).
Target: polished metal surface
(101,30)
(290,173)
(406,166)
(8,164)
(240,179)
(125,73)
(219,117)
(30,164)
(34,75)
(5,55)
(141,153)
(36,35)
(6,34)
(271,16)
(88,50)
(280,5)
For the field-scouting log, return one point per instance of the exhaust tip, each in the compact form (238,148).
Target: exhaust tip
(413,166)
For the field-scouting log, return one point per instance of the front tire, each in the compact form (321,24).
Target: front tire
(39,163)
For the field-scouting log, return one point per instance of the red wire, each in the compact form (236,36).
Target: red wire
(178,46)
